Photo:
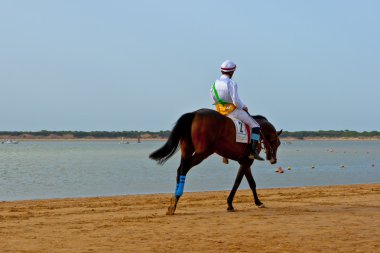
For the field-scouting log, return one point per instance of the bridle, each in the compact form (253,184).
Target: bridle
(264,143)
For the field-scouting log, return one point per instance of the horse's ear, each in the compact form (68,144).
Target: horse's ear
(279,132)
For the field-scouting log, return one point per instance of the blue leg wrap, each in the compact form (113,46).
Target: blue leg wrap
(255,137)
(179,189)
(255,134)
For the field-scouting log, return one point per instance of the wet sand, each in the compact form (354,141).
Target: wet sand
(306,219)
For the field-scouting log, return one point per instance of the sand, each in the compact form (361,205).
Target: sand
(307,219)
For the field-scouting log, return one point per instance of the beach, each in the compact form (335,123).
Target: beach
(306,219)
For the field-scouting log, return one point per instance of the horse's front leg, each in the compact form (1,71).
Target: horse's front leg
(238,179)
(252,185)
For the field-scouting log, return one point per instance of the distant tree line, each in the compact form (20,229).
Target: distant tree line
(165,134)
(331,134)
(92,134)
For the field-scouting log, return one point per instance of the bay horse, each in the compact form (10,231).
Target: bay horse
(204,132)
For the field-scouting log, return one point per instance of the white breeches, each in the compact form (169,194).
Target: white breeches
(245,117)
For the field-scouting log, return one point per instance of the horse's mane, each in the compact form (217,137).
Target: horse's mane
(259,117)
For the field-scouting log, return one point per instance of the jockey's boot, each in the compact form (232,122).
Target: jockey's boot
(254,154)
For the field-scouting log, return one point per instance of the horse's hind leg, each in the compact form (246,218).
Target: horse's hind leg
(178,190)
(252,185)
(185,166)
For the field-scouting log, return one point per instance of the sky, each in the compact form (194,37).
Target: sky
(112,65)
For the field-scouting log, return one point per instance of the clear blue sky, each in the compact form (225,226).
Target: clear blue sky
(138,65)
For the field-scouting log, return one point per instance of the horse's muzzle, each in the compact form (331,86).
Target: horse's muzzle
(273,161)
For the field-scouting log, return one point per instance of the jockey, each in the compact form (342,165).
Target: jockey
(224,93)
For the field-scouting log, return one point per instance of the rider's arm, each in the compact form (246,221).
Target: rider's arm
(234,95)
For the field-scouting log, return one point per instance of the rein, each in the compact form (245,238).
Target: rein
(265,144)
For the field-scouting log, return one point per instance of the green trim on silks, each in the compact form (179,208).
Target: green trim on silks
(220,101)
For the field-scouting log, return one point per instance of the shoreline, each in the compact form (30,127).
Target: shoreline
(343,218)
(84,139)
(285,139)
(85,198)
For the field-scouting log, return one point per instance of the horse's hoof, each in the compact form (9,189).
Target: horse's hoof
(261,206)
(230,209)
(171,207)
(170,211)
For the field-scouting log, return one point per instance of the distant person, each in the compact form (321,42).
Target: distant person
(224,93)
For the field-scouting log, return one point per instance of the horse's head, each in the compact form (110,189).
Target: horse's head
(269,138)
(271,143)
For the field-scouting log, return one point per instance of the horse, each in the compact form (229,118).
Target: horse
(204,132)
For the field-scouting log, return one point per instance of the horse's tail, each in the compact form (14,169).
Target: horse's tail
(182,129)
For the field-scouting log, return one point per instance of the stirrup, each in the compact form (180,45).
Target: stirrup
(254,156)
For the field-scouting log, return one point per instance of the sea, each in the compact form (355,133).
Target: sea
(60,169)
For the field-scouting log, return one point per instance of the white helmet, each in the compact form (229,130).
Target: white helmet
(228,66)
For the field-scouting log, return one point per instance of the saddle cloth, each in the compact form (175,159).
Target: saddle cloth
(243,131)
